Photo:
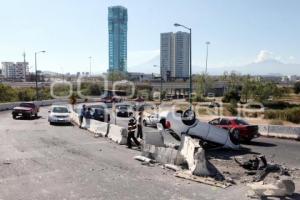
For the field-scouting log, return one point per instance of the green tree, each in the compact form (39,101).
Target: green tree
(26,94)
(200,86)
(297,87)
(231,96)
(7,93)
(116,76)
(248,87)
(94,90)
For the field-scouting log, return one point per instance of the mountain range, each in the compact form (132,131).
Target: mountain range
(266,67)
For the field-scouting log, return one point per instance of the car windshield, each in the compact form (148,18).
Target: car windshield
(123,107)
(99,111)
(60,110)
(241,122)
(29,105)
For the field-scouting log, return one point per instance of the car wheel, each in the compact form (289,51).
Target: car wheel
(144,123)
(36,115)
(14,116)
(234,135)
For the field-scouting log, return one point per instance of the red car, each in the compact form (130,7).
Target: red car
(26,110)
(246,131)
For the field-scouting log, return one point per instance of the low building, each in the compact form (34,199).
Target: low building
(15,71)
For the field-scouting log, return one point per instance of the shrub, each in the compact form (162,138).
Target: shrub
(231,96)
(297,87)
(291,114)
(276,122)
(232,108)
(278,104)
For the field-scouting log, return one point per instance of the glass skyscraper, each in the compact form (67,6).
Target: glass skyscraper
(117,29)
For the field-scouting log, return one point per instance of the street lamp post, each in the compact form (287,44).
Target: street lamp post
(205,75)
(207,43)
(90,65)
(36,77)
(191,81)
(161,83)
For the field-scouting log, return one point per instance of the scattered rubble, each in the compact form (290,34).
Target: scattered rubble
(280,188)
(189,161)
(172,167)
(206,180)
(144,159)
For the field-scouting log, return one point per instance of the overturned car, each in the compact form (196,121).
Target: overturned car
(179,123)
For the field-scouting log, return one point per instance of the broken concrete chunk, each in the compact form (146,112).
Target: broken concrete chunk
(204,180)
(195,157)
(172,167)
(154,138)
(280,188)
(162,155)
(143,159)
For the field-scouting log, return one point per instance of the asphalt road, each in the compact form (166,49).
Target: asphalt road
(39,161)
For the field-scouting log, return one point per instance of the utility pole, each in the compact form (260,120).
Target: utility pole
(205,75)
(36,75)
(25,66)
(90,65)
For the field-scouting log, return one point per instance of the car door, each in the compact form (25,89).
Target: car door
(225,124)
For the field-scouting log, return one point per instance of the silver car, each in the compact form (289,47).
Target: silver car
(178,123)
(59,114)
(151,120)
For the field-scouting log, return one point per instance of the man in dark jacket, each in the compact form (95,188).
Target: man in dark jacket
(81,115)
(139,126)
(131,131)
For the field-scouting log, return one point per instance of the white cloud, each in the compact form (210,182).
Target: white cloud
(264,55)
(291,58)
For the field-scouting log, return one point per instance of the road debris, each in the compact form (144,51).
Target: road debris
(6,163)
(144,159)
(172,167)
(280,188)
(205,180)
(259,167)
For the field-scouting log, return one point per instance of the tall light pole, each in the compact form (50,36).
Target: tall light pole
(36,77)
(90,65)
(207,43)
(191,81)
(205,75)
(161,83)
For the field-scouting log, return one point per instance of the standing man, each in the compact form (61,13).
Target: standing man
(88,117)
(139,126)
(131,131)
(81,115)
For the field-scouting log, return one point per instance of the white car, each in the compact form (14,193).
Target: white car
(59,114)
(151,120)
(179,123)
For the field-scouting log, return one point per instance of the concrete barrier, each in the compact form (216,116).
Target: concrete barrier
(74,117)
(117,134)
(97,127)
(278,131)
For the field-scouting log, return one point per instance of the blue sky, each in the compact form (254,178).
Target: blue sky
(240,31)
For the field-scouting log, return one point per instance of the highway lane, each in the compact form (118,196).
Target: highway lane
(39,161)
